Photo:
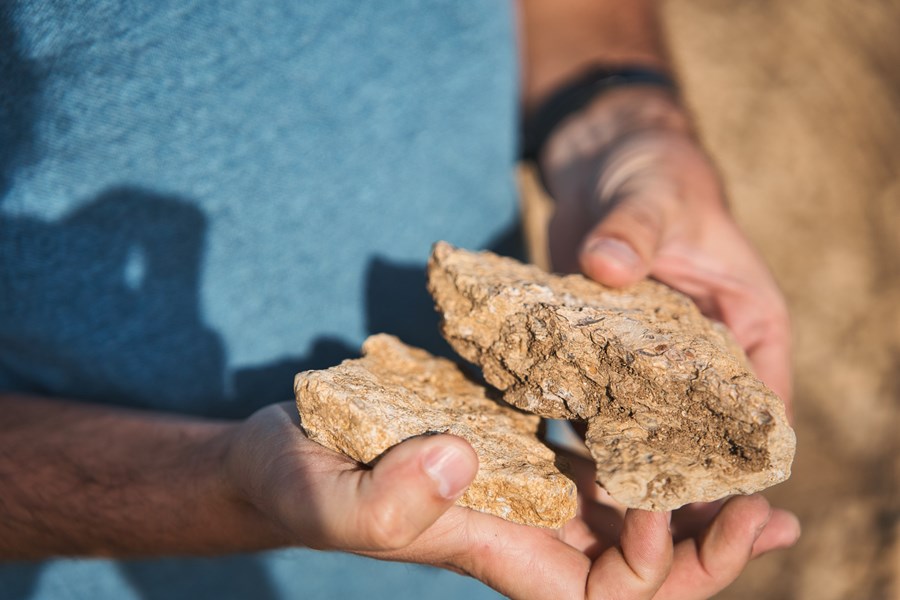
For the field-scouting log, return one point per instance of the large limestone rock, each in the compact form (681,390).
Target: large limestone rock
(363,407)
(674,413)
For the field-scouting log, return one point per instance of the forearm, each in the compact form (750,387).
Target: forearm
(80,479)
(563,37)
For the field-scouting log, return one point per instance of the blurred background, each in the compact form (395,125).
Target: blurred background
(799,103)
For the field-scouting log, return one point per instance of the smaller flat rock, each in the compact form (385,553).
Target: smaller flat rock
(674,413)
(394,392)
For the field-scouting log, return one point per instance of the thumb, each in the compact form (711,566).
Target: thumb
(620,250)
(411,486)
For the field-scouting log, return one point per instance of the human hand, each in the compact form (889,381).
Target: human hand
(402,509)
(640,554)
(398,511)
(636,196)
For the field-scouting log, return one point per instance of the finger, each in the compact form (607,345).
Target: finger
(757,314)
(759,319)
(639,567)
(389,506)
(604,525)
(771,360)
(699,571)
(619,251)
(599,522)
(518,561)
(782,531)
(522,562)
(751,306)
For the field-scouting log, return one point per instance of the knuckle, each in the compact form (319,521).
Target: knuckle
(641,216)
(631,589)
(649,578)
(385,527)
(639,223)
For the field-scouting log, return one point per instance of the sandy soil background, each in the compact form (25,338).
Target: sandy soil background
(799,102)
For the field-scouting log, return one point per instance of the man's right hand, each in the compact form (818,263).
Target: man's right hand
(403,509)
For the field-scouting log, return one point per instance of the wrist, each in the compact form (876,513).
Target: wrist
(233,508)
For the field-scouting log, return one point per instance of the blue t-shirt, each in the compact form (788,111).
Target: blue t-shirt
(198,200)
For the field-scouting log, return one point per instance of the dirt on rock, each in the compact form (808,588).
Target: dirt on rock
(364,407)
(674,414)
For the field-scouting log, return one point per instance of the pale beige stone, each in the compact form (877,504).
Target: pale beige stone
(364,407)
(675,415)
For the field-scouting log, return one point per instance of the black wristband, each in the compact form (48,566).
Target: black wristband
(575,95)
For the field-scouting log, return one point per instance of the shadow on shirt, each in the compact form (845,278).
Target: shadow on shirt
(17,110)
(103,305)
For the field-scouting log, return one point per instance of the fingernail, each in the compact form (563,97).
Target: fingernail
(614,250)
(449,469)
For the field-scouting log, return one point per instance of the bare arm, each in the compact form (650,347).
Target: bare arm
(88,480)
(563,37)
(81,479)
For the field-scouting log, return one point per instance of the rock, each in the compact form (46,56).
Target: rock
(674,413)
(364,407)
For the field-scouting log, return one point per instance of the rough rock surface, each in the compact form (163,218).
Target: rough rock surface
(363,407)
(674,413)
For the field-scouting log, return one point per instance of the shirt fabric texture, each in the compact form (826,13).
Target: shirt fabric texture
(198,200)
